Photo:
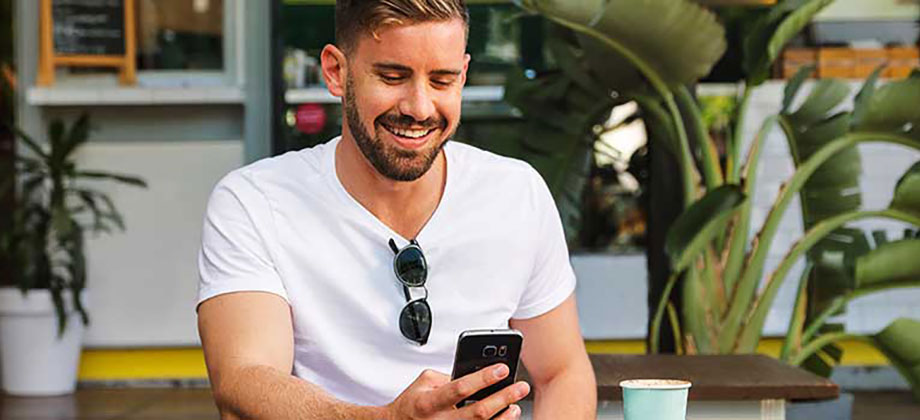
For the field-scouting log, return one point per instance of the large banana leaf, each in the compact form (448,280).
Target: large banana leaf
(557,138)
(699,224)
(674,41)
(907,193)
(772,32)
(893,108)
(900,343)
(832,190)
(893,264)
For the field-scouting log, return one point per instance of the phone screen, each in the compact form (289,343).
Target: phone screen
(478,349)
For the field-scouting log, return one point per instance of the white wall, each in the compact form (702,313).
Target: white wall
(142,283)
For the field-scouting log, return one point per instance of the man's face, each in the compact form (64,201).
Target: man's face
(403,95)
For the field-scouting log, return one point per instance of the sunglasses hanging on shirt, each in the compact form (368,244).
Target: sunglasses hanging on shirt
(411,270)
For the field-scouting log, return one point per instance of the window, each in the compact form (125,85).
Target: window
(179,43)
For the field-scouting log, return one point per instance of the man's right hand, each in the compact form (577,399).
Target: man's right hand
(434,396)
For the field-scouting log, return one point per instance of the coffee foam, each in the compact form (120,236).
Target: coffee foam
(655,384)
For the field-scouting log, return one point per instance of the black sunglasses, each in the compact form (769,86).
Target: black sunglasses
(412,270)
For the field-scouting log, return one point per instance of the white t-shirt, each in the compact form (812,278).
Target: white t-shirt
(286,225)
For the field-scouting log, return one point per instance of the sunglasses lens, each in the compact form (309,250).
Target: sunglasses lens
(411,267)
(415,321)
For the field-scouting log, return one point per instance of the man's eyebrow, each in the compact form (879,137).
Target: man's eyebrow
(406,69)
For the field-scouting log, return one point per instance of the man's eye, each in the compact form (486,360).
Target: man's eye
(391,79)
(442,83)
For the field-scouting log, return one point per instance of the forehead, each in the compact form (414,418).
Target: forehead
(422,44)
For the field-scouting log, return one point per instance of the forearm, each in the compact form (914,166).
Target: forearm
(571,394)
(261,392)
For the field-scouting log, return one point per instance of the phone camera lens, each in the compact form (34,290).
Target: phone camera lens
(489,351)
(502,351)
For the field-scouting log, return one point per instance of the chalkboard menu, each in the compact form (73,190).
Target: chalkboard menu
(91,27)
(87,33)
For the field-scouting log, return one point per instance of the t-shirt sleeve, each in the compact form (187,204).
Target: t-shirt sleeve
(553,279)
(235,246)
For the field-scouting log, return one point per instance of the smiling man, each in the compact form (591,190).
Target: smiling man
(335,280)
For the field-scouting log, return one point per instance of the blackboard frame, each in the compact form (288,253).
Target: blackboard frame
(49,59)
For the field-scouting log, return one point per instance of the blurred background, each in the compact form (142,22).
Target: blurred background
(207,86)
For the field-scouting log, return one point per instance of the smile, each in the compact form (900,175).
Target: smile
(408,133)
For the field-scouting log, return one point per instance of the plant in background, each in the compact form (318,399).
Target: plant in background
(650,51)
(54,206)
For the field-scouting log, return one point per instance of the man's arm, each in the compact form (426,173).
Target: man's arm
(249,350)
(554,355)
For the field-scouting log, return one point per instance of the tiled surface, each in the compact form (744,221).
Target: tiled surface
(196,404)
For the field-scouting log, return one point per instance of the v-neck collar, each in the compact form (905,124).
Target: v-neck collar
(382,228)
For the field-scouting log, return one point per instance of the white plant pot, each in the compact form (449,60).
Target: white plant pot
(35,362)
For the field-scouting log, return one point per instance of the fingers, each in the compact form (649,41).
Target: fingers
(512,413)
(452,393)
(496,402)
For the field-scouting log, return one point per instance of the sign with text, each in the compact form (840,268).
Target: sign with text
(87,33)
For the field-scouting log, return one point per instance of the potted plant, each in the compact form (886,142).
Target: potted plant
(42,312)
(650,52)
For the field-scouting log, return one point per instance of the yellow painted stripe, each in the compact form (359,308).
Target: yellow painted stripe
(172,363)
(188,363)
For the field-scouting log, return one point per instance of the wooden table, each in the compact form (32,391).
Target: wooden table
(737,387)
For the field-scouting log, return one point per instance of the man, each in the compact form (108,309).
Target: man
(301,314)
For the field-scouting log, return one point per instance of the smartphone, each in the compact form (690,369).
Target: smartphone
(477,349)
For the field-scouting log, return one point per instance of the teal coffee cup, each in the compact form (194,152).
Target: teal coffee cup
(655,399)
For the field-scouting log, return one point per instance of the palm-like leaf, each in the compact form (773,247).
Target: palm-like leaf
(46,241)
(772,32)
(899,342)
(678,40)
(696,227)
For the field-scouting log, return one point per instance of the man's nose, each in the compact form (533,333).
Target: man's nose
(418,102)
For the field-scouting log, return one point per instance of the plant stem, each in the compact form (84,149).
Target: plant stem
(659,312)
(815,234)
(709,155)
(822,341)
(737,132)
(797,321)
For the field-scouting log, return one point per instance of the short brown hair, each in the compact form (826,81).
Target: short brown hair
(354,18)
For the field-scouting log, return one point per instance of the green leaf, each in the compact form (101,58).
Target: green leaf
(894,264)
(700,223)
(678,40)
(794,85)
(907,192)
(772,32)
(826,95)
(126,179)
(863,98)
(900,343)
(893,109)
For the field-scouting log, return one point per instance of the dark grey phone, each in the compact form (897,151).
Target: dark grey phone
(477,349)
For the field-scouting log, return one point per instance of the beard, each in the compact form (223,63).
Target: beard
(389,160)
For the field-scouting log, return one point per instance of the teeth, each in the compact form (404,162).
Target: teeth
(414,134)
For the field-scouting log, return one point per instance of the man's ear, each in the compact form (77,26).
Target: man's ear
(334,66)
(466,66)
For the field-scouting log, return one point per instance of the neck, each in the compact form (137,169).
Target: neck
(404,206)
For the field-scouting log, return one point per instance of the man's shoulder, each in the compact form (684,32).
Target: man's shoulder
(300,166)
(485,163)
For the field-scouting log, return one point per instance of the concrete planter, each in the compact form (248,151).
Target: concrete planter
(34,361)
